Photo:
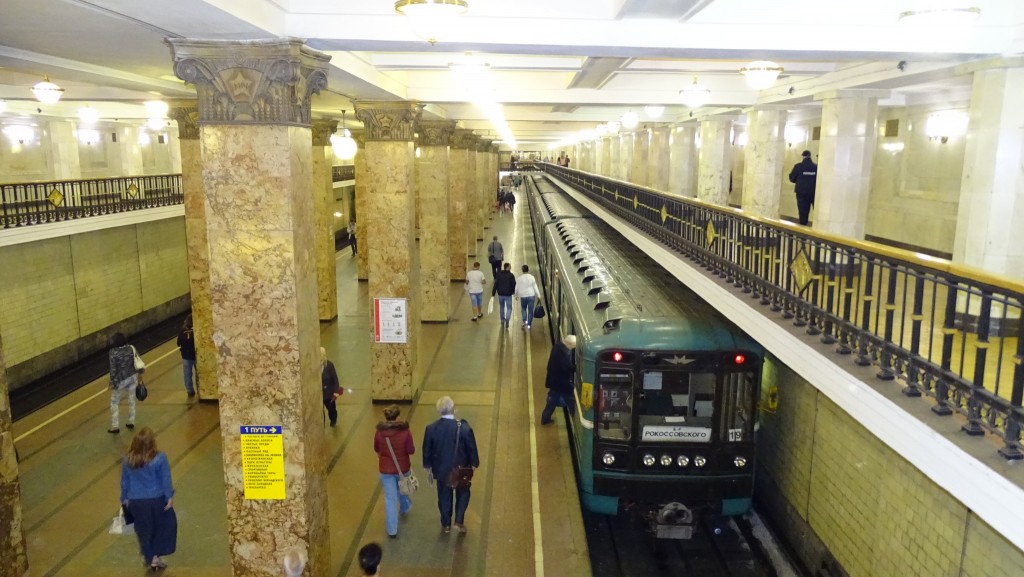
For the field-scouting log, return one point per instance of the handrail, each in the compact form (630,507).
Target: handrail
(29,203)
(945,330)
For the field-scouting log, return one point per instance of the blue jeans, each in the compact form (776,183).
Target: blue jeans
(505,308)
(189,368)
(476,299)
(392,497)
(554,400)
(527,304)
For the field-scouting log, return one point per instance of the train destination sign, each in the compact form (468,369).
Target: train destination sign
(263,462)
(671,433)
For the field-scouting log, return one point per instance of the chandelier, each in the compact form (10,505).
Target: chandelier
(947,15)
(430,19)
(47,92)
(761,74)
(629,120)
(344,146)
(695,95)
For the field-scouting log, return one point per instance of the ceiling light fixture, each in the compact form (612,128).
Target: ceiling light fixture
(47,92)
(613,127)
(654,111)
(88,115)
(89,136)
(630,120)
(950,15)
(156,124)
(430,19)
(344,146)
(695,95)
(761,74)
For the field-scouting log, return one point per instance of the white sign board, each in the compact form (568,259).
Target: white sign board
(389,321)
(676,434)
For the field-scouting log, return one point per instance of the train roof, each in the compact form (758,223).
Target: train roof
(617,286)
(556,203)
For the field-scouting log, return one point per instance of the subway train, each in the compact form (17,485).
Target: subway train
(666,388)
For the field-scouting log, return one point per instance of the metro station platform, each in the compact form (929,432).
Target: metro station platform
(524,517)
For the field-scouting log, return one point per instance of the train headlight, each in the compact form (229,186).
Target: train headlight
(740,462)
(649,460)
(683,460)
(666,460)
(700,461)
(608,459)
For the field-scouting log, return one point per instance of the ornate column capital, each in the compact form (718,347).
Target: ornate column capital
(388,120)
(436,132)
(251,81)
(462,139)
(483,145)
(323,128)
(495,148)
(186,114)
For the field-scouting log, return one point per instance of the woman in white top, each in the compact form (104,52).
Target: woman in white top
(527,292)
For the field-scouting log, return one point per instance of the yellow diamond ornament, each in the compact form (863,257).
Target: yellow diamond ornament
(133,190)
(801,269)
(711,234)
(55,197)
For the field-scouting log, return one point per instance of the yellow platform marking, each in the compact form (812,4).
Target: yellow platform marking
(538,542)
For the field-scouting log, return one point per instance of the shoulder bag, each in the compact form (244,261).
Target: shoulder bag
(407,484)
(140,365)
(459,478)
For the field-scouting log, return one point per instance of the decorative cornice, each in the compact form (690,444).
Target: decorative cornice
(251,81)
(186,114)
(390,121)
(495,148)
(463,139)
(435,132)
(483,145)
(323,128)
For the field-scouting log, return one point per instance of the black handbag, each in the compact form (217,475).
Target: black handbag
(459,478)
(539,312)
(141,392)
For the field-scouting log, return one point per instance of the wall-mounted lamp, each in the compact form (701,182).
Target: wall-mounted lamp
(943,125)
(344,146)
(88,115)
(892,147)
(20,133)
(794,135)
(88,136)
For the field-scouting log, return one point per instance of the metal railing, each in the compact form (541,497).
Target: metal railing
(947,331)
(29,203)
(340,173)
(522,166)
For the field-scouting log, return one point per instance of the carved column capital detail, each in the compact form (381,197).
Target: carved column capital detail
(495,148)
(435,132)
(186,114)
(483,145)
(323,128)
(462,139)
(393,121)
(251,81)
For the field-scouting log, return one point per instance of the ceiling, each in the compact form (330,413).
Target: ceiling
(557,68)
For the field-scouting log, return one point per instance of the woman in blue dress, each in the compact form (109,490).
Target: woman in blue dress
(147,492)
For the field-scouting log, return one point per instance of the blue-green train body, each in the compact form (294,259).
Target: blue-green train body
(666,387)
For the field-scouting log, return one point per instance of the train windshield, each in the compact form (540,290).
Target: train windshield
(676,406)
(615,405)
(738,410)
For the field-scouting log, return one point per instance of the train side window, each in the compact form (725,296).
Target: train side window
(615,406)
(738,396)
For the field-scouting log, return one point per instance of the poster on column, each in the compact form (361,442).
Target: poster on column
(263,462)
(389,320)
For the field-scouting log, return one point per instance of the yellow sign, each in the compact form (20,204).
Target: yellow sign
(263,462)
(587,396)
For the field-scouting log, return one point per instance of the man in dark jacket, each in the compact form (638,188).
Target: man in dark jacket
(559,379)
(505,288)
(440,456)
(330,385)
(805,176)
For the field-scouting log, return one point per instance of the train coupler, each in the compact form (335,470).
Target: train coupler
(672,521)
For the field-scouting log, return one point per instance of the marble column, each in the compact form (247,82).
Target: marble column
(641,150)
(682,178)
(127,154)
(764,161)
(714,161)
(254,133)
(847,148)
(390,219)
(13,561)
(363,248)
(627,142)
(323,219)
(612,149)
(432,183)
(63,154)
(196,245)
(472,201)
(495,166)
(459,175)
(658,159)
(485,199)
(990,221)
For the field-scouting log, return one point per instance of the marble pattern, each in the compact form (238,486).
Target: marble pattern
(991,216)
(432,182)
(394,263)
(626,144)
(658,162)
(714,161)
(364,248)
(639,169)
(323,200)
(458,206)
(484,200)
(264,298)
(764,158)
(13,560)
(472,202)
(844,167)
(682,178)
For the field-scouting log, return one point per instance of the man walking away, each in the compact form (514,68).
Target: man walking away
(805,176)
(559,379)
(495,254)
(504,287)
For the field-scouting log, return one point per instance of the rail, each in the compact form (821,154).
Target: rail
(30,203)
(939,329)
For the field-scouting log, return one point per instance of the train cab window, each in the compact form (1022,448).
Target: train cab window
(615,405)
(738,407)
(676,405)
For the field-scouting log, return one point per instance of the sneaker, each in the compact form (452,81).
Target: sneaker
(191,396)
(395,536)
(113,430)
(130,426)
(460,527)
(446,528)
(474,318)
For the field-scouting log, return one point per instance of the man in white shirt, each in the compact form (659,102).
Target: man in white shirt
(475,282)
(527,292)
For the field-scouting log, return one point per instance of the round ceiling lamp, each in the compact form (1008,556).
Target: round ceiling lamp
(47,92)
(654,111)
(947,15)
(430,19)
(344,146)
(629,120)
(88,115)
(613,127)
(156,124)
(695,95)
(761,74)
(601,129)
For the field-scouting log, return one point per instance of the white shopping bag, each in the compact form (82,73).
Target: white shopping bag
(118,526)
(490,305)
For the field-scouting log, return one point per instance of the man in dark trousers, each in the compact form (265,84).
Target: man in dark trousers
(505,288)
(805,176)
(442,453)
(559,379)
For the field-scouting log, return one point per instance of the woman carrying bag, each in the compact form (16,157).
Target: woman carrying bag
(393,445)
(147,492)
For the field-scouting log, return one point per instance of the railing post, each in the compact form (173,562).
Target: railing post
(868,298)
(973,426)
(885,359)
(912,390)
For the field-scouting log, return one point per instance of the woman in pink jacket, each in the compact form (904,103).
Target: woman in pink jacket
(396,433)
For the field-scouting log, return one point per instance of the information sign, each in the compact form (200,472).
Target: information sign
(263,462)
(389,320)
